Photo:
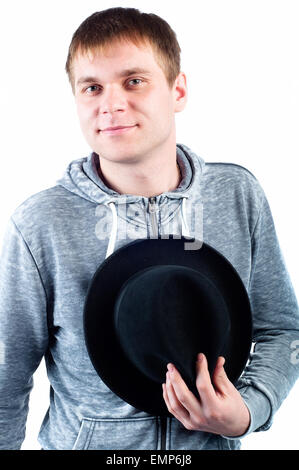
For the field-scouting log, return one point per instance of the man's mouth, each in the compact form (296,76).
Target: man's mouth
(117,130)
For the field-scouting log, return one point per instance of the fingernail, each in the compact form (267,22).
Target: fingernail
(170,367)
(200,357)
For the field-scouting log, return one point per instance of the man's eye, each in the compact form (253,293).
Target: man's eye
(92,88)
(135,80)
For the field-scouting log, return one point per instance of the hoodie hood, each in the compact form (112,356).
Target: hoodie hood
(82,177)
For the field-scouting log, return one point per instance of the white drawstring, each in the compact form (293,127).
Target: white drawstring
(185,229)
(113,233)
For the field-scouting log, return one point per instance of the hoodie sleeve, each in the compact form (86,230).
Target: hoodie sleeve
(23,334)
(272,369)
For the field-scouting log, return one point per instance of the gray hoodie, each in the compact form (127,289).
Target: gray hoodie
(55,241)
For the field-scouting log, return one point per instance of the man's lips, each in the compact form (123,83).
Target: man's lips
(117,129)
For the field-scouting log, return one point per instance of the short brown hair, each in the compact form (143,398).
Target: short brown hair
(104,27)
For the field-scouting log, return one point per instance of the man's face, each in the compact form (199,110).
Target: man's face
(108,93)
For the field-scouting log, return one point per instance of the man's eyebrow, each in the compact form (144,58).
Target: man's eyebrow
(123,73)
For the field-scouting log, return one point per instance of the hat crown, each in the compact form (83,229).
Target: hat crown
(170,313)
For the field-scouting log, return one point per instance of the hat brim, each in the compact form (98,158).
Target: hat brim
(104,350)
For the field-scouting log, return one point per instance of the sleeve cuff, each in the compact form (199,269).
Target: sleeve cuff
(259,409)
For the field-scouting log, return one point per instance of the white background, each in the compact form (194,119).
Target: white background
(241,61)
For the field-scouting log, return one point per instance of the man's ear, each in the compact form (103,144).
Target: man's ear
(180,92)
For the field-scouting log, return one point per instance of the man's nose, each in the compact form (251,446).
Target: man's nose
(112,100)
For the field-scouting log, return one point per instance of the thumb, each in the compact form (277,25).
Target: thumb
(220,379)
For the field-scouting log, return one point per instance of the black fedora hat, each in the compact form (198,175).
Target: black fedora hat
(153,302)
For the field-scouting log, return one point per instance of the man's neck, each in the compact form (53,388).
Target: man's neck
(147,178)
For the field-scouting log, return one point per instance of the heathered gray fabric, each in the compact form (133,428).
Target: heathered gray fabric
(54,242)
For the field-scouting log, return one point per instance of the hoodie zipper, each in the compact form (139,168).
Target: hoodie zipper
(163,421)
(152,208)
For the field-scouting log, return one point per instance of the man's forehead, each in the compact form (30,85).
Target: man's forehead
(114,50)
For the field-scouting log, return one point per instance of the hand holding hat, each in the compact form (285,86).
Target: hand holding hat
(220,409)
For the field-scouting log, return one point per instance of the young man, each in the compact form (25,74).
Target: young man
(124,69)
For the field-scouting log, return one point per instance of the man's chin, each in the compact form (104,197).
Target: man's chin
(129,156)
